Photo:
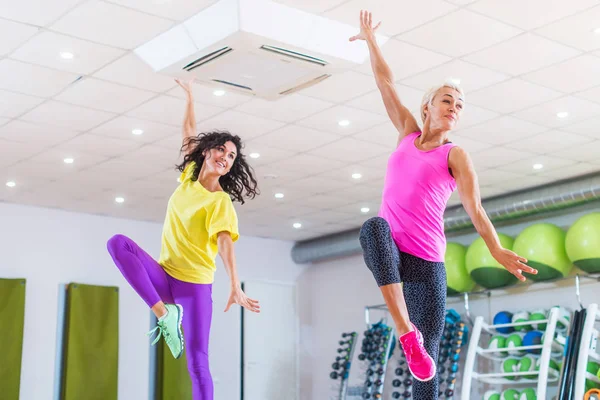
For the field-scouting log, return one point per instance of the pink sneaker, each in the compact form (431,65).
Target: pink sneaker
(420,363)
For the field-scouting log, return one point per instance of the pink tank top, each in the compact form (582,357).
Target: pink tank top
(417,187)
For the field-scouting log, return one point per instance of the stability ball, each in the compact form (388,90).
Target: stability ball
(543,245)
(484,269)
(458,278)
(583,243)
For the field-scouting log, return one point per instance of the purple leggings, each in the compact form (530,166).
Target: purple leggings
(153,284)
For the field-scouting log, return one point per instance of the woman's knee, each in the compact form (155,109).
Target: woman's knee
(116,242)
(373,226)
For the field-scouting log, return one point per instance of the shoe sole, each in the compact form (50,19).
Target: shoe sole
(426,379)
(179,333)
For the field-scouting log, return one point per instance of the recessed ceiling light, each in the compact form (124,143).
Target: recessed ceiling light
(596,31)
(11,184)
(120,199)
(68,160)
(137,131)
(66,55)
(538,166)
(219,93)
(344,122)
(365,210)
(562,114)
(356,176)
(254,155)
(279,195)
(297,225)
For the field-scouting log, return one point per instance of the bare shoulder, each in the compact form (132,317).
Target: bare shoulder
(458,158)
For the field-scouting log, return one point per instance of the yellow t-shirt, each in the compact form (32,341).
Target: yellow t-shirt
(189,239)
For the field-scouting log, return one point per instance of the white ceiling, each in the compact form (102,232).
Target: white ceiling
(520,62)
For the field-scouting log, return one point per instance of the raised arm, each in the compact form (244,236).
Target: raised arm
(189,121)
(468,188)
(401,117)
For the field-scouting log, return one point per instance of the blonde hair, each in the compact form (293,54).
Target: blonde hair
(430,94)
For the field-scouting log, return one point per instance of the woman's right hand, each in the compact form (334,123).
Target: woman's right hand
(187,86)
(367,30)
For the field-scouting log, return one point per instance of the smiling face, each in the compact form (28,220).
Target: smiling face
(445,109)
(220,159)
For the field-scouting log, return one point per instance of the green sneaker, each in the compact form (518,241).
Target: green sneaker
(170,329)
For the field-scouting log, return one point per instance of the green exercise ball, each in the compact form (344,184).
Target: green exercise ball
(583,243)
(459,280)
(543,245)
(484,269)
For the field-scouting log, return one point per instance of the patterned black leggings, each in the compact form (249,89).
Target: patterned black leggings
(424,289)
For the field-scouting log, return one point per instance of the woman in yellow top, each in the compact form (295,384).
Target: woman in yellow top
(200,223)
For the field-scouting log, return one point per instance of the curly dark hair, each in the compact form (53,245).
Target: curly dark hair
(241,176)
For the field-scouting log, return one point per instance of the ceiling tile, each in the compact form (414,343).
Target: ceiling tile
(578,169)
(407,14)
(576,30)
(530,14)
(526,182)
(312,6)
(122,127)
(589,127)
(494,176)
(101,95)
(522,54)
(272,175)
(470,145)
(154,154)
(324,201)
(501,130)
(471,77)
(54,166)
(574,75)
(512,95)
(245,125)
(204,94)
(490,191)
(319,184)
(588,153)
(370,175)
(287,109)
(176,10)
(67,116)
(170,110)
(474,115)
(396,53)
(326,217)
(373,102)
(14,104)
(525,167)
(26,132)
(546,114)
(129,70)
(328,120)
(350,150)
(268,154)
(308,164)
(11,152)
(355,209)
(591,94)
(45,49)
(97,145)
(295,138)
(341,87)
(497,156)
(35,12)
(356,193)
(549,141)
(385,134)
(13,34)
(110,24)
(120,172)
(463,31)
(16,76)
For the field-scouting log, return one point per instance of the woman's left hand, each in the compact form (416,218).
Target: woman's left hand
(237,296)
(514,263)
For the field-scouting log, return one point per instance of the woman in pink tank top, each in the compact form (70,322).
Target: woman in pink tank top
(406,242)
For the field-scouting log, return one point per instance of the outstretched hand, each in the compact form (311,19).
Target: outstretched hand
(367,29)
(186,85)
(514,263)
(237,296)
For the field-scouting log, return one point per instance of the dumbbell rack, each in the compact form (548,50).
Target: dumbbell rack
(590,336)
(544,374)
(346,365)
